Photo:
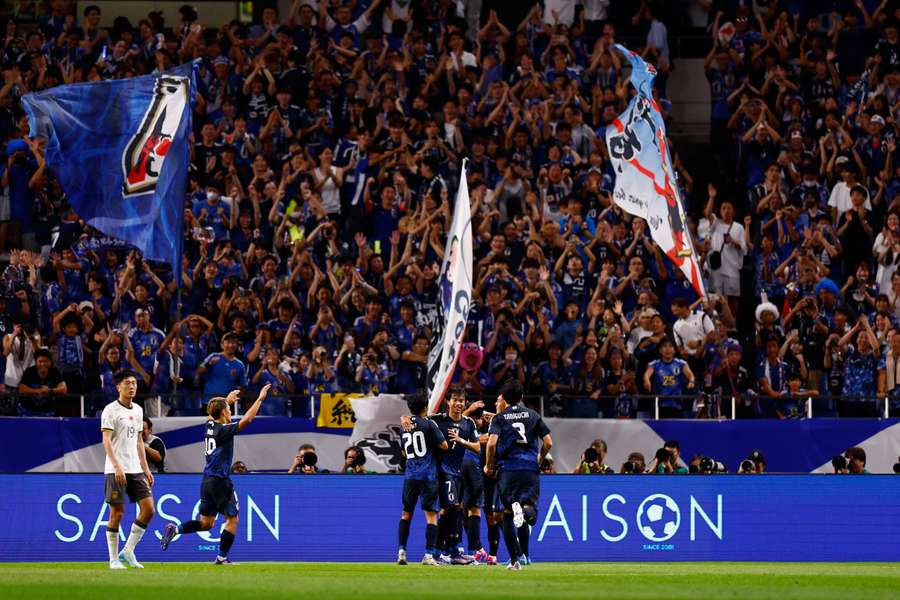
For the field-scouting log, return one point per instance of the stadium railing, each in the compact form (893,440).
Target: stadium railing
(638,406)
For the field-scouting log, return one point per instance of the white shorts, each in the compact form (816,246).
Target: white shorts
(724,284)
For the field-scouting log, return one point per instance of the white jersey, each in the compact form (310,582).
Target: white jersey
(694,328)
(126,425)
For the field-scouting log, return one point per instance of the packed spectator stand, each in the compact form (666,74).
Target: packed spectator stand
(327,151)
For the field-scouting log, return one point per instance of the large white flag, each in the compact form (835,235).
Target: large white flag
(645,177)
(456,298)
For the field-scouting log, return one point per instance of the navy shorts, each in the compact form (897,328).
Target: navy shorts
(472,484)
(523,487)
(492,502)
(449,490)
(415,490)
(217,497)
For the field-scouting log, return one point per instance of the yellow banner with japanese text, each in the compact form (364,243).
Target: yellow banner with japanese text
(335,411)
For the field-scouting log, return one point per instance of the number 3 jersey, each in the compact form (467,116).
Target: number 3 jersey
(219,449)
(450,460)
(125,423)
(519,433)
(420,446)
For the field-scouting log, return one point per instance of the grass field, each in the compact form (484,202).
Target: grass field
(337,581)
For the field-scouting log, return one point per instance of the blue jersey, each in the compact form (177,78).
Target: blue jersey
(519,432)
(450,460)
(223,376)
(146,344)
(420,447)
(668,378)
(219,449)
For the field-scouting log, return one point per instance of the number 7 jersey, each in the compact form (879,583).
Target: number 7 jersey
(519,433)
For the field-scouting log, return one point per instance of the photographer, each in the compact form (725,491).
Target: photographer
(593,460)
(354,461)
(755,463)
(663,463)
(548,466)
(856,461)
(635,465)
(674,449)
(154,447)
(305,461)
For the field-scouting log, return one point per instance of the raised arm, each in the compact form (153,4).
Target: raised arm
(254,408)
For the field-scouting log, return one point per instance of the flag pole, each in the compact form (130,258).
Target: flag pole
(177,334)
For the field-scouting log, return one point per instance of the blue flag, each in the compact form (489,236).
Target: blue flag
(121,151)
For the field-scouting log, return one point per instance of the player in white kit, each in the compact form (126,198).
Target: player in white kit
(126,471)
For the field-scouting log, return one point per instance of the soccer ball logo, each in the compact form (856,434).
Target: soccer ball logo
(658,517)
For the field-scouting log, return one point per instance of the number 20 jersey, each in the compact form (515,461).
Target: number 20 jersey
(420,445)
(519,433)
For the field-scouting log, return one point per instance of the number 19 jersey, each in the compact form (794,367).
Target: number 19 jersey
(420,445)
(519,433)
(125,423)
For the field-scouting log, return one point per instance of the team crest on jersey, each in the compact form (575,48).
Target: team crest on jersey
(146,151)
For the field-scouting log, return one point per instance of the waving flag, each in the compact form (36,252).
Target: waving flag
(120,150)
(645,178)
(456,298)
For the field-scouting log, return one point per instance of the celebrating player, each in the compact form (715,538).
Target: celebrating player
(513,441)
(460,431)
(126,470)
(420,442)
(475,489)
(217,495)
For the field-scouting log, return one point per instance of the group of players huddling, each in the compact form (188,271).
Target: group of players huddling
(444,458)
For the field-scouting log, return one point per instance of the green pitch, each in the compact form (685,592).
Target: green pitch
(168,581)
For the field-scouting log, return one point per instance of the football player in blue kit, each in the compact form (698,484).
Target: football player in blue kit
(518,442)
(217,495)
(474,487)
(421,440)
(462,437)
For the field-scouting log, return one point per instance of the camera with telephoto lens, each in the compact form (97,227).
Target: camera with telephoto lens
(310,459)
(748,466)
(360,458)
(591,455)
(629,467)
(707,465)
(839,463)
(897,466)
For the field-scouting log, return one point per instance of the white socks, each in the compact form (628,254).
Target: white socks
(112,543)
(137,532)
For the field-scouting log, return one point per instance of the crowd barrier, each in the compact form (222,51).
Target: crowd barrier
(580,518)
(270,443)
(642,406)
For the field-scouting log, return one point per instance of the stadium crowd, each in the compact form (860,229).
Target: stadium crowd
(327,151)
